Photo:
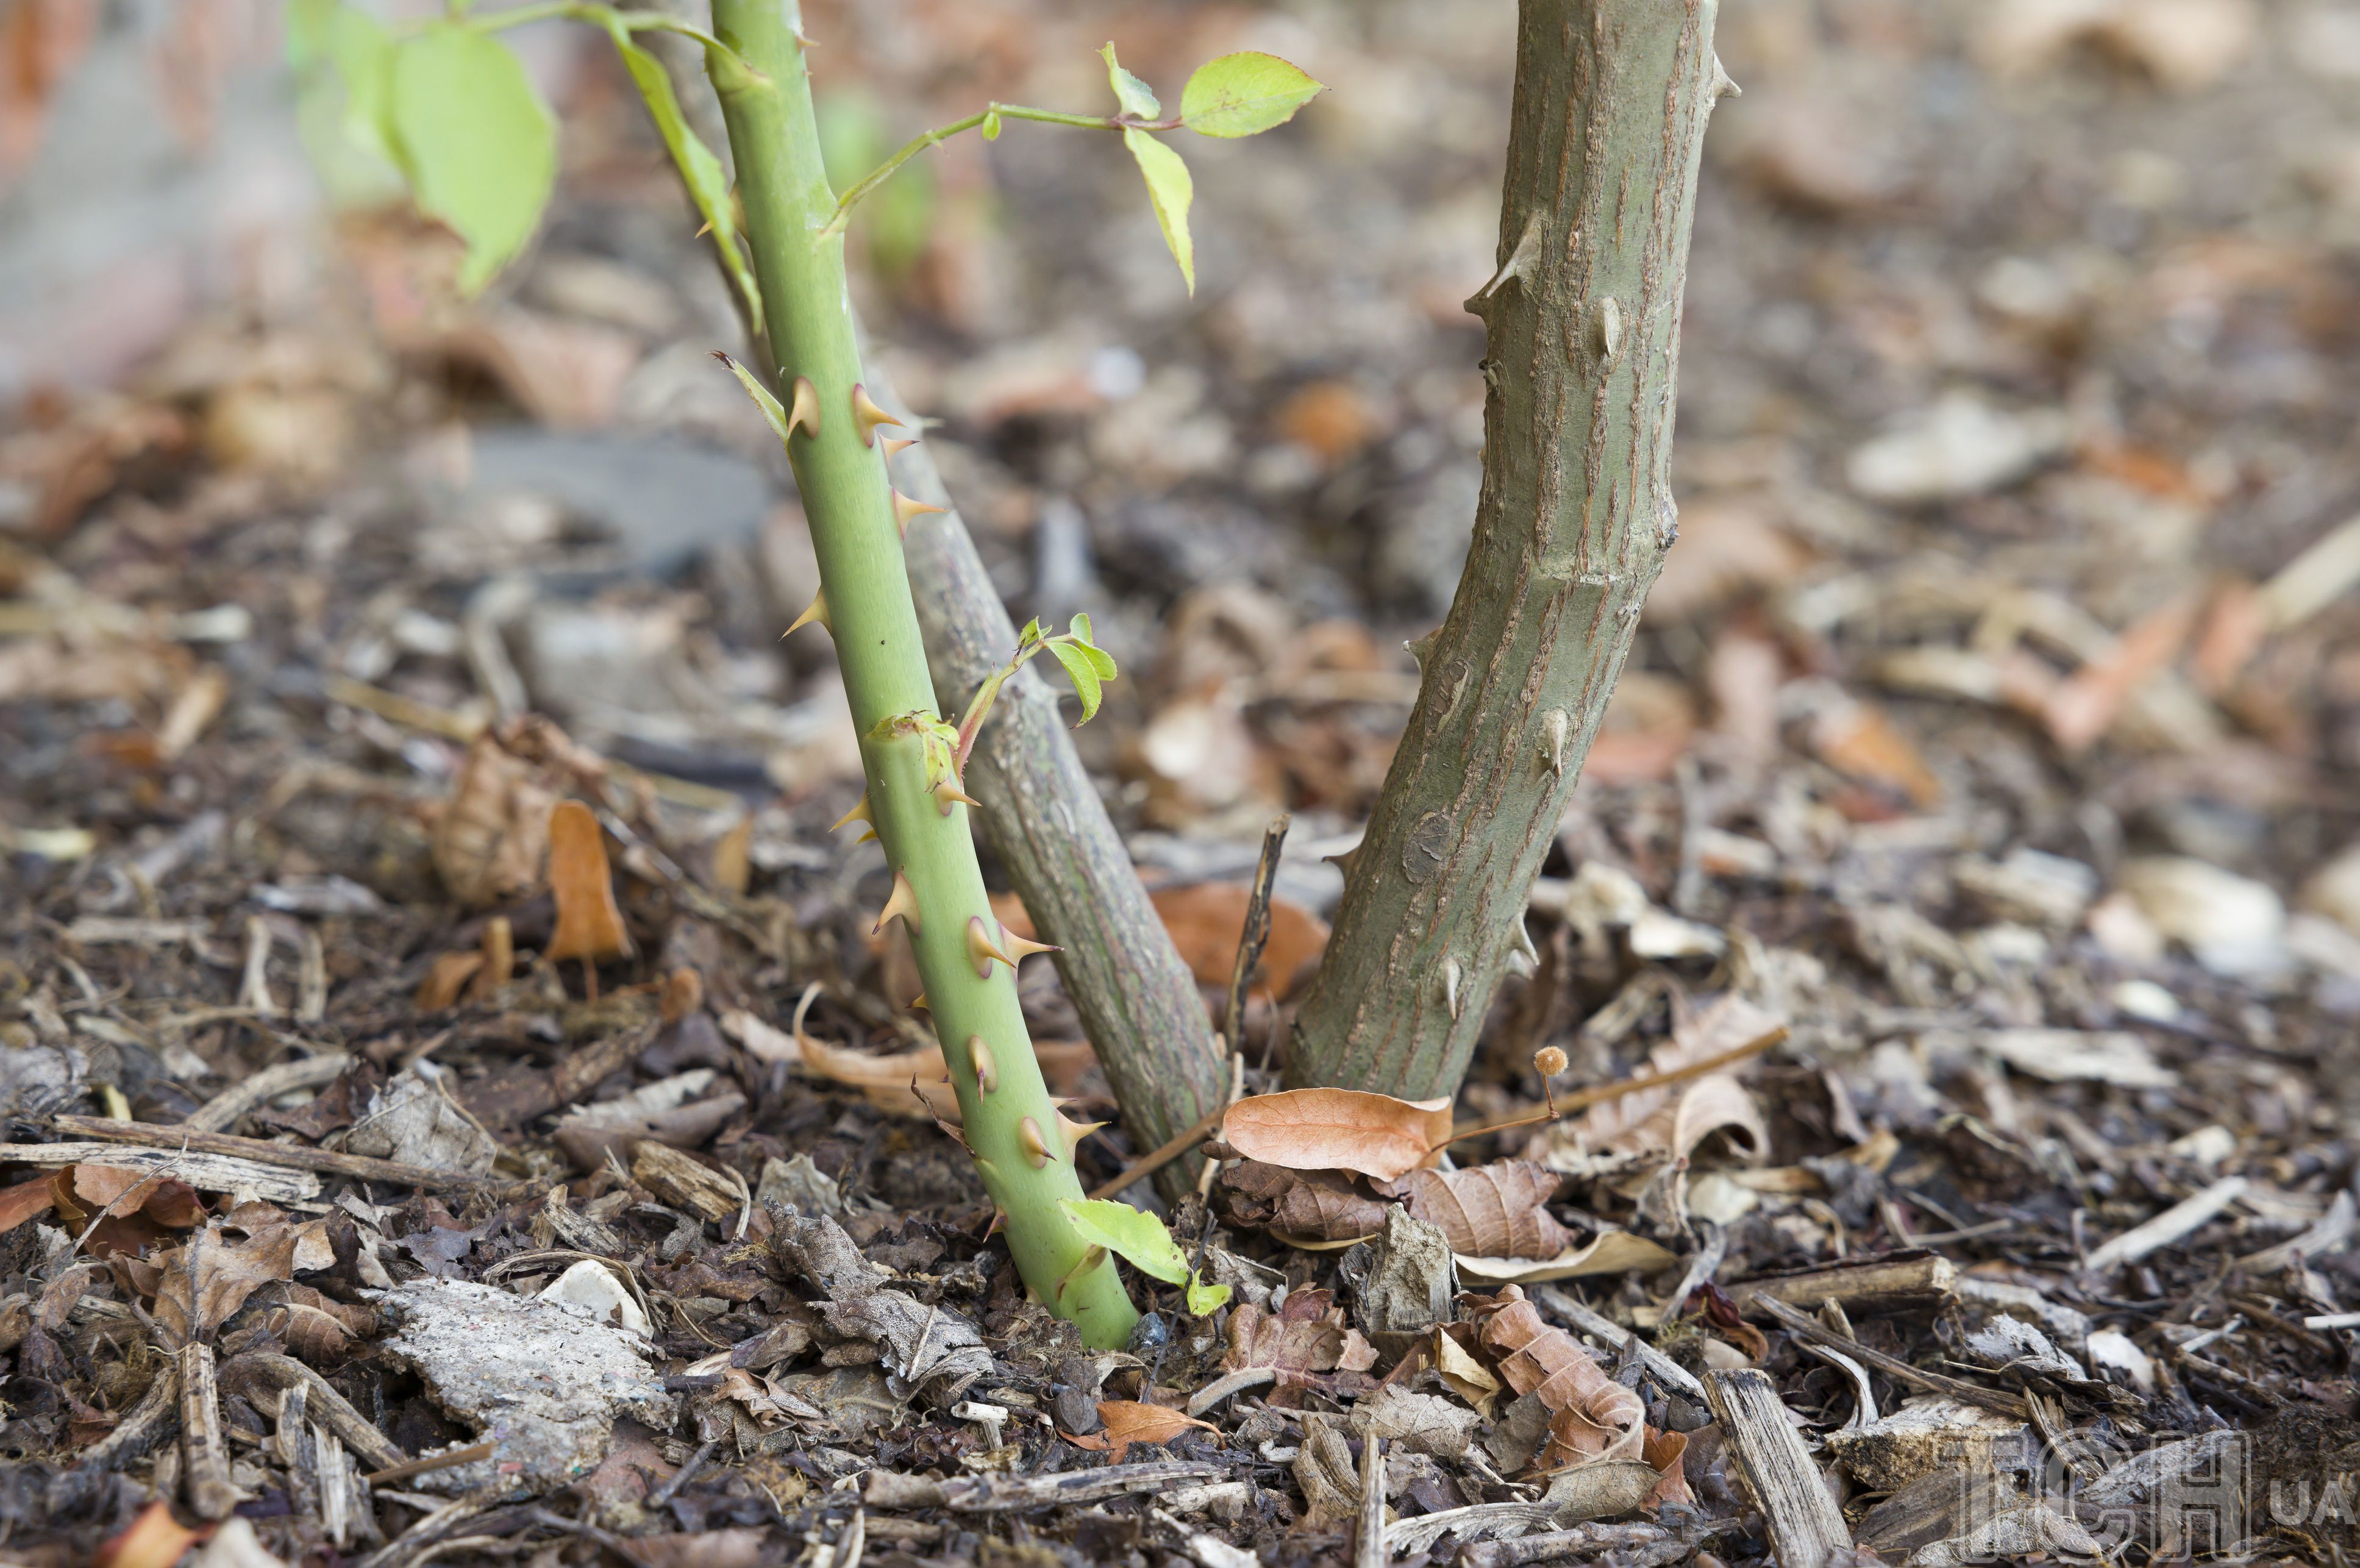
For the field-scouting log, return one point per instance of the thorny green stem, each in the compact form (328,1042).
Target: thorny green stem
(984,116)
(1022,1148)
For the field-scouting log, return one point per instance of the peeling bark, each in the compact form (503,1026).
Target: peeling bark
(1582,333)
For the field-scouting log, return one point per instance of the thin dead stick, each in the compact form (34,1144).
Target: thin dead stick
(1586,1099)
(1172,1148)
(429,1463)
(1369,1528)
(204,1457)
(261,1151)
(1255,933)
(222,1111)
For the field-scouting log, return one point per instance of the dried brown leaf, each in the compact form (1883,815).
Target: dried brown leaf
(1315,1206)
(490,839)
(446,977)
(589,926)
(1668,1122)
(1206,921)
(1857,740)
(1337,1129)
(1304,1339)
(1490,1211)
(201,1283)
(119,1211)
(154,1540)
(1591,1417)
(1666,1451)
(1129,1422)
(24,1201)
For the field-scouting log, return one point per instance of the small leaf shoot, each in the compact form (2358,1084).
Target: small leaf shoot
(1130,93)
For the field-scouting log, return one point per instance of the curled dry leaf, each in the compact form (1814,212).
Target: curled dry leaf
(1591,1417)
(1655,1128)
(1129,1422)
(589,926)
(490,839)
(1609,1252)
(200,1284)
(1306,1339)
(1311,1205)
(1337,1129)
(1666,1452)
(1490,1211)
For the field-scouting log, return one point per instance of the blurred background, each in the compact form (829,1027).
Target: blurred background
(2009,645)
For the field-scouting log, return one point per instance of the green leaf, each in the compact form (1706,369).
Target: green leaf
(1030,635)
(707,182)
(1130,90)
(1244,95)
(1100,661)
(1204,1298)
(1084,675)
(991,125)
(1138,1238)
(476,142)
(328,33)
(771,408)
(1081,628)
(1170,191)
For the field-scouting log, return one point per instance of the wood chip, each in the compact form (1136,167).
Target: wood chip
(2169,1227)
(1807,1530)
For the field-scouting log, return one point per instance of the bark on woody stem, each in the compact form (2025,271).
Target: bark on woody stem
(1582,341)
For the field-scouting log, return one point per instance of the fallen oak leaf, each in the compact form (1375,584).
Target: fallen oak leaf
(1129,1422)
(1337,1129)
(589,926)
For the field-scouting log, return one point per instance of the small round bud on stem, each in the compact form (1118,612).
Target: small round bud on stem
(1549,1061)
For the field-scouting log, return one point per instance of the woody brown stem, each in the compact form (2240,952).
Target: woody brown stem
(1582,337)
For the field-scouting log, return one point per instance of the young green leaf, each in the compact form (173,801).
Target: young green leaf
(1083,673)
(1138,1238)
(476,142)
(707,182)
(1100,661)
(1169,190)
(1130,91)
(1244,95)
(771,408)
(1204,1298)
(1080,630)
